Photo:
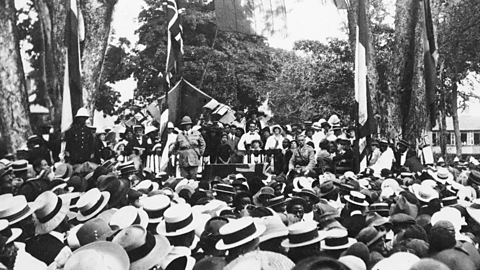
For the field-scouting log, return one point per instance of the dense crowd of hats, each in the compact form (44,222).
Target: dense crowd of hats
(112,216)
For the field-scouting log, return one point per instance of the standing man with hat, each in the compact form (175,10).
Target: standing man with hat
(79,139)
(191,146)
(402,153)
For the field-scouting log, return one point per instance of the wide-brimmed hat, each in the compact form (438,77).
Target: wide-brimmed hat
(117,187)
(19,165)
(450,201)
(310,193)
(120,143)
(424,193)
(239,232)
(144,249)
(155,207)
(296,201)
(274,228)
(369,235)
(443,175)
(276,201)
(186,120)
(302,182)
(9,233)
(303,233)
(51,211)
(272,128)
(127,216)
(326,188)
(374,219)
(382,208)
(93,230)
(98,255)
(357,198)
(5,171)
(317,126)
(82,112)
(474,176)
(474,210)
(16,209)
(64,171)
(177,220)
(148,185)
(224,188)
(91,203)
(337,239)
(109,164)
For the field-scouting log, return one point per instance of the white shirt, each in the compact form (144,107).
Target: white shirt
(247,138)
(317,138)
(25,261)
(385,161)
(274,142)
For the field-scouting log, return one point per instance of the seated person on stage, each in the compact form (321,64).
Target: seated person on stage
(224,151)
(255,154)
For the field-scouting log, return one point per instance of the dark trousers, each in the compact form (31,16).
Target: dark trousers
(189,172)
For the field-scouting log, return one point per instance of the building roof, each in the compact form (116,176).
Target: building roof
(466,123)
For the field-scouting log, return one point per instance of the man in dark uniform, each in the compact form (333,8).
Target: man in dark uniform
(402,153)
(79,139)
(37,149)
(50,139)
(344,157)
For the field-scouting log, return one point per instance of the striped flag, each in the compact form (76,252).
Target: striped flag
(174,40)
(430,62)
(361,86)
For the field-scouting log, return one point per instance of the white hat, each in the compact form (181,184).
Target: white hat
(155,207)
(82,112)
(238,232)
(150,128)
(337,239)
(397,261)
(353,262)
(303,233)
(357,198)
(144,249)
(178,220)
(51,211)
(127,216)
(443,175)
(424,192)
(302,182)
(170,125)
(98,255)
(11,233)
(16,209)
(456,159)
(148,185)
(91,203)
(274,228)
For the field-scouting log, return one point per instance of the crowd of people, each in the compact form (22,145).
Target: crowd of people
(101,199)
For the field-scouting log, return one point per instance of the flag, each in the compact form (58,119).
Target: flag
(342,4)
(67,115)
(174,40)
(361,87)
(430,62)
(72,44)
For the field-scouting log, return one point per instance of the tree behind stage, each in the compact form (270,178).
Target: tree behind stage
(14,110)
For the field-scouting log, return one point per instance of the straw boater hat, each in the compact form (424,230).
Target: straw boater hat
(148,185)
(51,211)
(64,171)
(19,165)
(178,220)
(443,175)
(10,233)
(310,193)
(98,255)
(302,182)
(303,233)
(16,209)
(91,203)
(274,228)
(144,249)
(238,232)
(224,188)
(357,198)
(127,216)
(424,193)
(277,201)
(337,239)
(155,207)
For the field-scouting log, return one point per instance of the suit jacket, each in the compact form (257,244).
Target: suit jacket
(233,142)
(79,144)
(135,143)
(191,147)
(44,247)
(303,156)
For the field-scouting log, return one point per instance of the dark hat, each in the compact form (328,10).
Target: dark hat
(374,219)
(92,230)
(118,189)
(5,171)
(276,201)
(127,168)
(34,139)
(326,188)
(474,176)
(108,164)
(359,250)
(401,218)
(369,235)
(224,188)
(19,165)
(78,183)
(404,143)
(296,201)
(310,193)
(329,220)
(380,208)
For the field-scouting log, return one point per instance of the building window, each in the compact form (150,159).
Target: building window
(476,138)
(451,139)
(463,138)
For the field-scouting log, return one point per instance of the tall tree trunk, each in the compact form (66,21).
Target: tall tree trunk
(14,122)
(442,116)
(456,125)
(98,16)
